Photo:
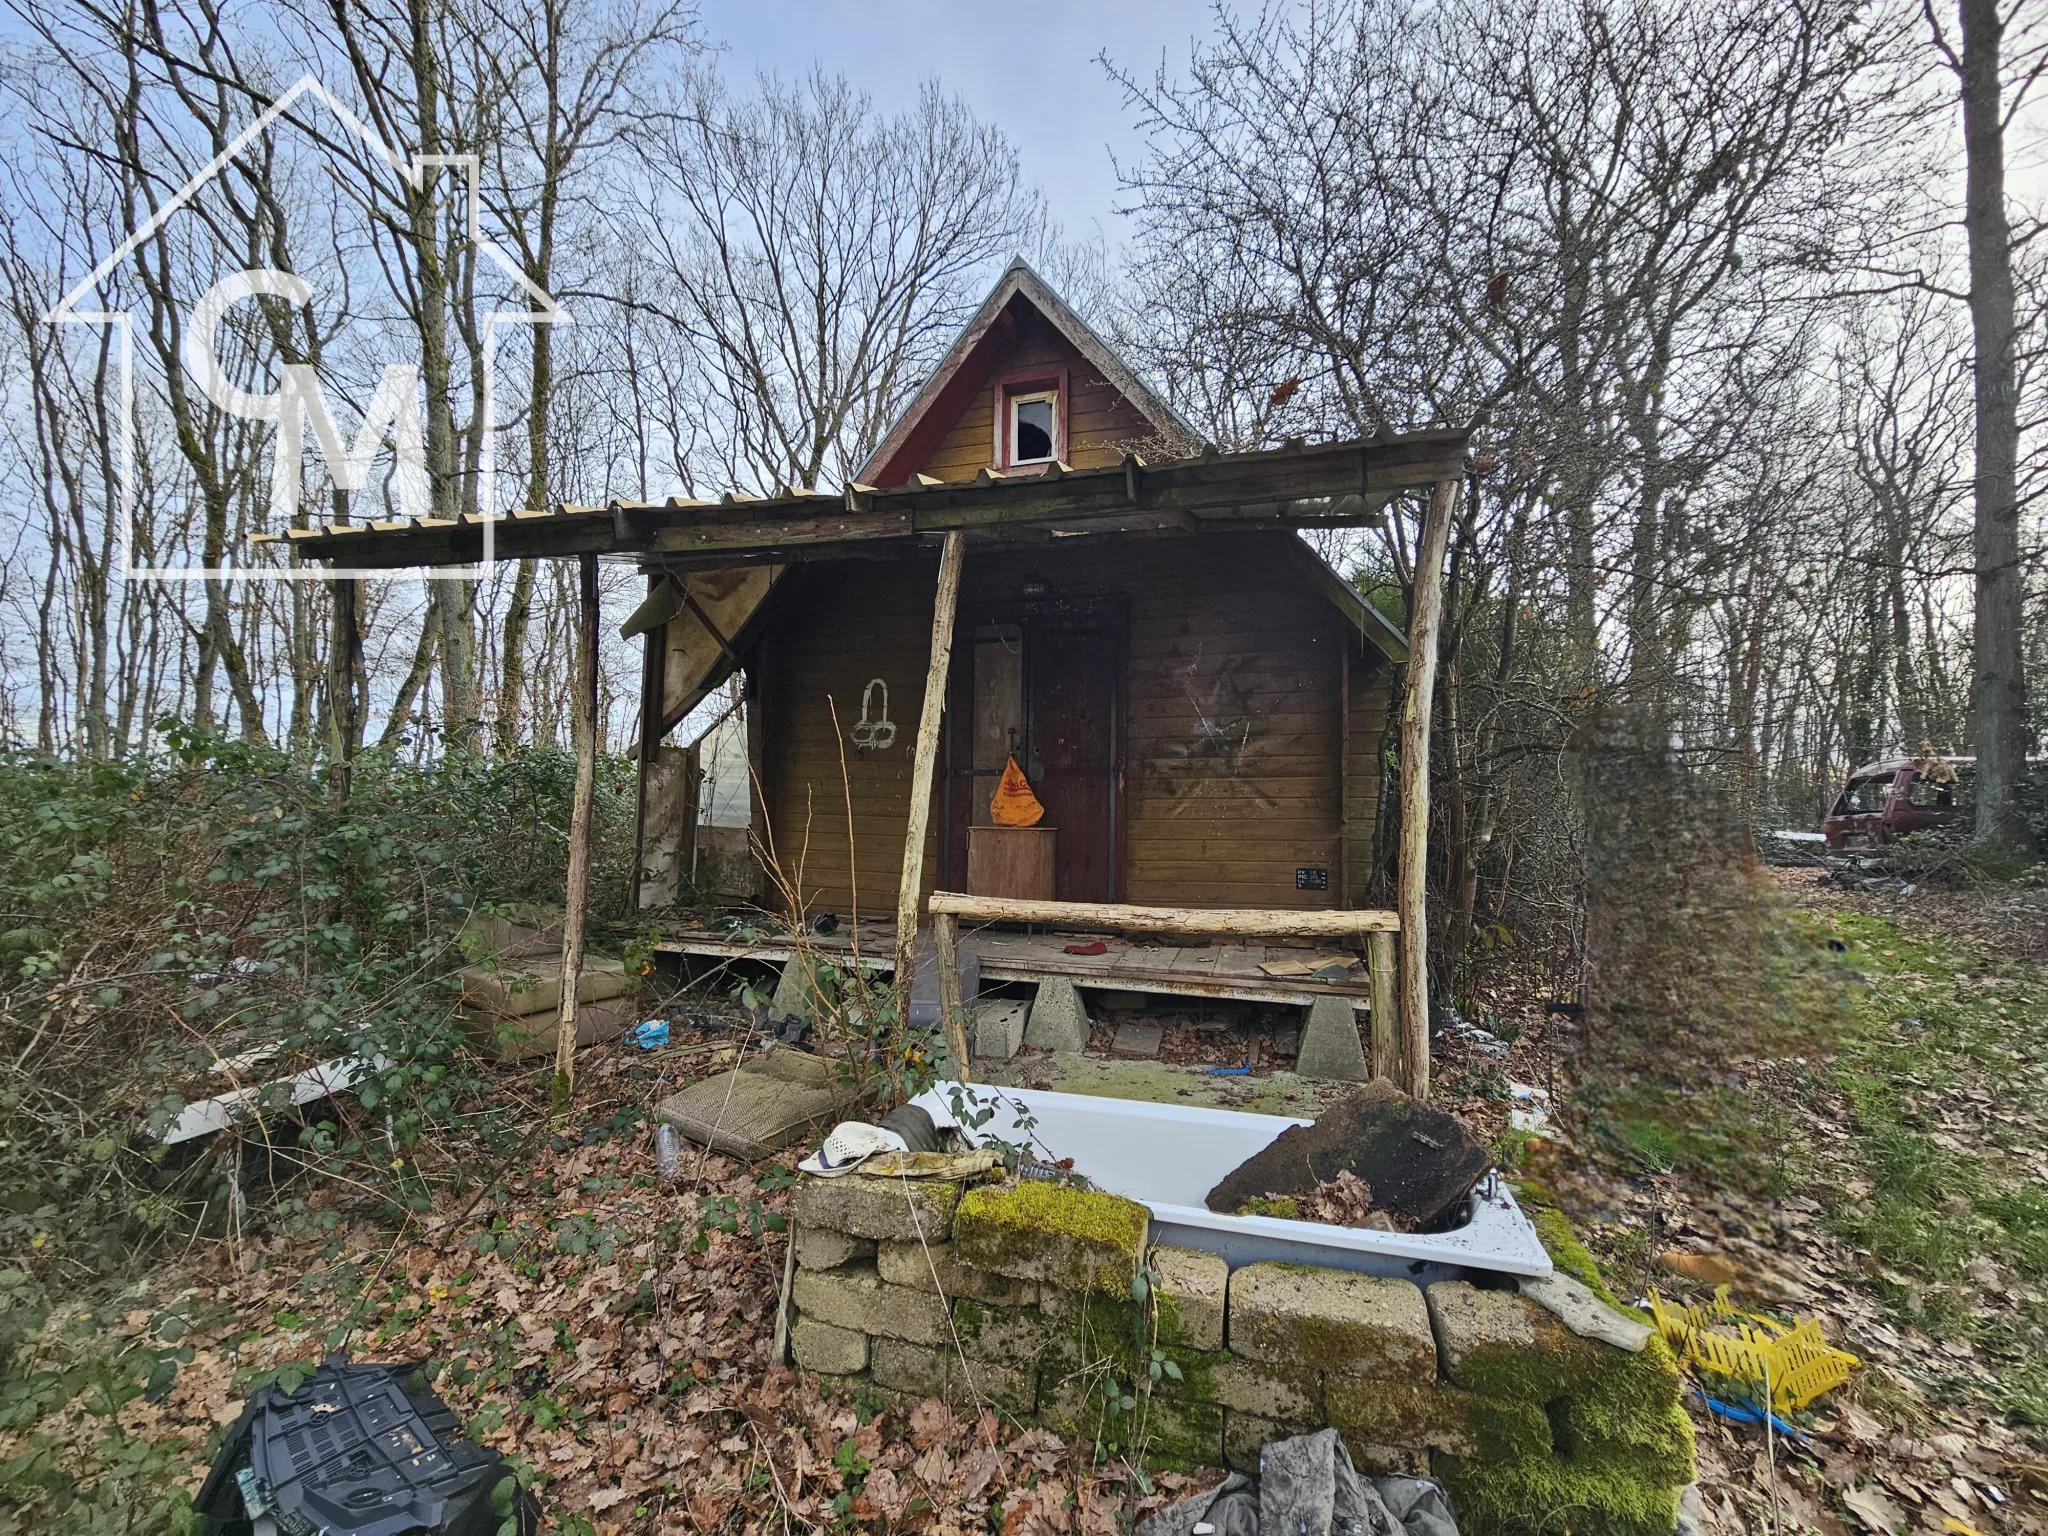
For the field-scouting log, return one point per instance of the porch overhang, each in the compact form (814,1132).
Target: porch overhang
(1329,485)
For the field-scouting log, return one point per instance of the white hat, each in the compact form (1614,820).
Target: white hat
(851,1143)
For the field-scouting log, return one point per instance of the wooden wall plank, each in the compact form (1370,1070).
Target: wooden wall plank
(1231,756)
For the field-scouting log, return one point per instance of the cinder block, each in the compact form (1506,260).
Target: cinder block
(822,1248)
(999,1024)
(854,1297)
(1268,1391)
(1173,1432)
(1465,1318)
(1021,1336)
(879,1208)
(1193,1287)
(1059,1019)
(1076,1238)
(820,1346)
(939,1372)
(1328,1318)
(1330,1046)
(912,1264)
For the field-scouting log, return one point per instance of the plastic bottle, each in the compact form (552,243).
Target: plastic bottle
(668,1151)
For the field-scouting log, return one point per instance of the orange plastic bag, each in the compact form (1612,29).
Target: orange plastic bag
(1014,805)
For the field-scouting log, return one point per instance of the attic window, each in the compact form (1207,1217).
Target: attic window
(1033,419)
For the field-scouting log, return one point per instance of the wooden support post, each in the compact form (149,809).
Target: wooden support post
(583,719)
(653,686)
(952,1010)
(1424,620)
(344,658)
(925,761)
(1386,1018)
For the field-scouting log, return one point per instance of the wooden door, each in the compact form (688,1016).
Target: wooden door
(1073,692)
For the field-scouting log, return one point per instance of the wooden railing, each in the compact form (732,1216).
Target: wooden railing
(950,908)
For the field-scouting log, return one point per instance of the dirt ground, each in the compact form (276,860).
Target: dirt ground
(611,1332)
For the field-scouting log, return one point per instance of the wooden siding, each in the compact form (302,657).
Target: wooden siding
(1100,421)
(1233,718)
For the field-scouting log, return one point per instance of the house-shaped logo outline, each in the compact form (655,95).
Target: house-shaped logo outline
(546,312)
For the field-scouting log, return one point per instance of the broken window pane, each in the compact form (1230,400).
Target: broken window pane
(1032,441)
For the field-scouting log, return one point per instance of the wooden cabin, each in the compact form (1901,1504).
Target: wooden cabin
(1197,700)
(1202,714)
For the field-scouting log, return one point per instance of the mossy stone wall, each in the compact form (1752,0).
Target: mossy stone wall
(1021,1297)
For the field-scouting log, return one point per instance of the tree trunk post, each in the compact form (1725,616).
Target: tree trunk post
(583,719)
(653,688)
(1424,620)
(1386,1018)
(924,763)
(952,1009)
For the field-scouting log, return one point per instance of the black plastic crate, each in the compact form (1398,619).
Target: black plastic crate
(358,1450)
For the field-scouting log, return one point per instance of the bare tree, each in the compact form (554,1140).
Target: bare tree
(820,257)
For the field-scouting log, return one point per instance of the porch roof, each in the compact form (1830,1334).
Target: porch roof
(1344,484)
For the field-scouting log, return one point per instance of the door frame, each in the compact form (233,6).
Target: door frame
(1079,613)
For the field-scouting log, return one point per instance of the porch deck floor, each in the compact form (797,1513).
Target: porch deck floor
(1223,968)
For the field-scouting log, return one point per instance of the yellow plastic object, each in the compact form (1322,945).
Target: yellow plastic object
(1795,1363)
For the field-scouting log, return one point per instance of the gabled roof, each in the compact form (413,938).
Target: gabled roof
(1020,280)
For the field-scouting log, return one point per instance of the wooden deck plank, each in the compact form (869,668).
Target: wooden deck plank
(1219,971)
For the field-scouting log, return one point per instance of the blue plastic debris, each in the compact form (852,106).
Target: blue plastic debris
(1744,1413)
(651,1034)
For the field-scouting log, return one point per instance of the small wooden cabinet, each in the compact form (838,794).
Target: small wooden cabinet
(1011,861)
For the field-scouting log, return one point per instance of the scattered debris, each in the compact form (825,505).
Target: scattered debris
(768,1102)
(1373,1134)
(1573,1303)
(1137,1039)
(1790,1365)
(1307,1486)
(1706,1268)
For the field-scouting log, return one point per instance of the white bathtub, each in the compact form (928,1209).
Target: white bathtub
(1169,1156)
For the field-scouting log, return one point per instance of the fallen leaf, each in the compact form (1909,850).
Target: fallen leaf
(1875,1510)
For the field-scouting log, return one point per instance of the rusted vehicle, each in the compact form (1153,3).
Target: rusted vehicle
(1887,800)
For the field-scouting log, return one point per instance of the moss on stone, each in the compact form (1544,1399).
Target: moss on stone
(1436,1416)
(1566,1251)
(1285,1207)
(1077,1238)
(1549,1495)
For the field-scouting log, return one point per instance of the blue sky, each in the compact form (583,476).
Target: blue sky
(1028,67)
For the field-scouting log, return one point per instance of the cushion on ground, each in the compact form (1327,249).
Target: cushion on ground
(527,931)
(504,1037)
(522,987)
(759,1108)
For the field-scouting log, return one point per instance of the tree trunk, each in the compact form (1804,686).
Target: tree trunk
(1425,616)
(1998,693)
(576,902)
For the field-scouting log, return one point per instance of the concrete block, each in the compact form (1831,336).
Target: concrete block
(822,1248)
(1466,1318)
(1059,1019)
(1021,1336)
(939,1372)
(1074,1238)
(1268,1391)
(1175,1433)
(999,1024)
(1434,1416)
(854,1297)
(1330,1048)
(1246,1434)
(1331,1319)
(1192,1289)
(822,1347)
(796,993)
(911,1264)
(879,1208)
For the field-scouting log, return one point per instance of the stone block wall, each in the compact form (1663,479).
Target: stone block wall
(1020,1295)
